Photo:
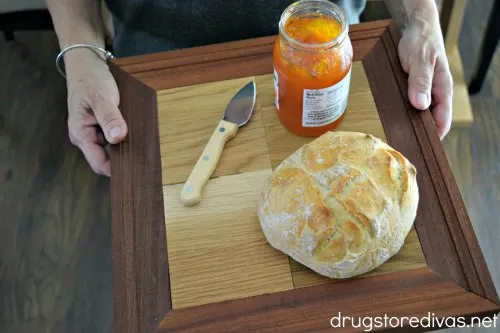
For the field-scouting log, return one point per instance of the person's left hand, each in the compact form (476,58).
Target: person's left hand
(423,57)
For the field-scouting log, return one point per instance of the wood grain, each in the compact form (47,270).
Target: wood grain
(199,106)
(77,297)
(209,53)
(430,222)
(416,293)
(55,230)
(207,162)
(295,309)
(475,151)
(361,115)
(140,262)
(216,250)
(204,64)
(207,63)
(409,257)
(464,239)
(188,116)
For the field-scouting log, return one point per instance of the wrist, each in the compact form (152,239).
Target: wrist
(423,14)
(80,60)
(77,57)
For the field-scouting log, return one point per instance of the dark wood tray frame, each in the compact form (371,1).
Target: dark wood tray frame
(456,281)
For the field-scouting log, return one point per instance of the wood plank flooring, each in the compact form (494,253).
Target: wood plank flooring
(55,245)
(474,152)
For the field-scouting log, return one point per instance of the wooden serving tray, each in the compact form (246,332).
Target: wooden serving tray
(208,268)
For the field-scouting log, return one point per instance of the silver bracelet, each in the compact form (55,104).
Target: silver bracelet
(107,54)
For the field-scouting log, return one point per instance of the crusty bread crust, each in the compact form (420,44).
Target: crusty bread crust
(341,205)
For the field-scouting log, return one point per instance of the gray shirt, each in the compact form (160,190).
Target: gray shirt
(147,26)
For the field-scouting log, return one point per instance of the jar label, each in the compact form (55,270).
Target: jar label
(323,106)
(276,90)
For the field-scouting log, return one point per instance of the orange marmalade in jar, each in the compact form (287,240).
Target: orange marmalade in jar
(312,60)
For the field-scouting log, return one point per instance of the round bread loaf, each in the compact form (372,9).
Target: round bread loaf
(341,205)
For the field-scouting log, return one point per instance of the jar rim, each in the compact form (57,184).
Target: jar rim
(299,5)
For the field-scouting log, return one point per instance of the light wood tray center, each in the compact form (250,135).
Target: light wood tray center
(216,250)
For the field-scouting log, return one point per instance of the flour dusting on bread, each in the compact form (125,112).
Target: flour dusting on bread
(341,205)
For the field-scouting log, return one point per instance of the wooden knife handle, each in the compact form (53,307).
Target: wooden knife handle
(191,191)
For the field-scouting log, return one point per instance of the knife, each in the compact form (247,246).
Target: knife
(237,114)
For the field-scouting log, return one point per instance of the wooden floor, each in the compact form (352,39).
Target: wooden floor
(55,245)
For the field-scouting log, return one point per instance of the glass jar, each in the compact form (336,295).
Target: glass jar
(312,60)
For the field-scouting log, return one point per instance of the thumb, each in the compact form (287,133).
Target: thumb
(111,121)
(420,84)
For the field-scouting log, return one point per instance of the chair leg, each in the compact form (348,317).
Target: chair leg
(488,48)
(9,35)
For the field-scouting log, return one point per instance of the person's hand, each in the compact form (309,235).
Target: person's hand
(94,119)
(423,57)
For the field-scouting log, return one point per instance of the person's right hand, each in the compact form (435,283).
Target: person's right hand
(93,101)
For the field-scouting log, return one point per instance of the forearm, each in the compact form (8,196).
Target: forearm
(77,22)
(413,11)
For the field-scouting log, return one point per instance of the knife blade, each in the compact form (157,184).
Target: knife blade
(237,114)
